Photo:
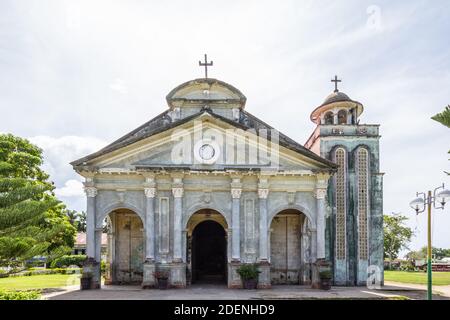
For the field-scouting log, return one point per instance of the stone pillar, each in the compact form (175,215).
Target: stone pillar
(263,232)
(91,193)
(148,280)
(264,266)
(92,263)
(320,222)
(150,194)
(98,243)
(177,223)
(235,221)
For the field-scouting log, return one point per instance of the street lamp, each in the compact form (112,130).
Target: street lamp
(420,204)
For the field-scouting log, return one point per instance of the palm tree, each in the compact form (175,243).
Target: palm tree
(443,117)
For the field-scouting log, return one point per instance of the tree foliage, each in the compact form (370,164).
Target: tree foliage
(396,235)
(443,117)
(437,253)
(32,220)
(77,219)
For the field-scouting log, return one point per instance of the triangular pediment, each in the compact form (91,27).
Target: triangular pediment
(207,141)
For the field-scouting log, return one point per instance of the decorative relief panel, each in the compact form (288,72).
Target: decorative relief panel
(164,225)
(250,236)
(363,175)
(341,208)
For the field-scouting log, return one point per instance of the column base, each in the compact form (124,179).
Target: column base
(149,280)
(234,279)
(177,270)
(264,281)
(317,267)
(91,269)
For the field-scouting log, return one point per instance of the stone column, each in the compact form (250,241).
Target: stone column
(320,222)
(92,264)
(150,194)
(263,233)
(148,280)
(177,190)
(264,266)
(91,193)
(235,221)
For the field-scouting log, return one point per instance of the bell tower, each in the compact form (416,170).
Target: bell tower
(354,224)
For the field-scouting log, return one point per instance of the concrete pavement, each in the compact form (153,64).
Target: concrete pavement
(221,292)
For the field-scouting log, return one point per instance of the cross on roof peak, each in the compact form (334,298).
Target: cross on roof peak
(205,64)
(335,80)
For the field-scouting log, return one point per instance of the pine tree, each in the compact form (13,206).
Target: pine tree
(32,220)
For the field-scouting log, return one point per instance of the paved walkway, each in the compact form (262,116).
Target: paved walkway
(441,290)
(220,292)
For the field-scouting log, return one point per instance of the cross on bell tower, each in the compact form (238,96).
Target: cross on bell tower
(335,80)
(205,64)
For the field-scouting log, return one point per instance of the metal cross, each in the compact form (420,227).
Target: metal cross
(206,64)
(335,80)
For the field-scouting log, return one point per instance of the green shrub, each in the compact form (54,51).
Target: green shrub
(103,267)
(34,272)
(66,261)
(326,274)
(248,271)
(19,295)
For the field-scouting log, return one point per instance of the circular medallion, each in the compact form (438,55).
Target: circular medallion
(206,151)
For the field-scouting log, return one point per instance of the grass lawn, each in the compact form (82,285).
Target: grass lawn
(439,278)
(38,282)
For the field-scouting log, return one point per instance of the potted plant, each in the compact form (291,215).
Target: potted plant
(249,275)
(85,281)
(325,279)
(163,279)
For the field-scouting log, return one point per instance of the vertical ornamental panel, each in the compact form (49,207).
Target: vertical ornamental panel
(164,225)
(340,187)
(362,171)
(250,237)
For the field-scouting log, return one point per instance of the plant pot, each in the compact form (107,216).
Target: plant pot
(325,284)
(250,284)
(163,283)
(85,283)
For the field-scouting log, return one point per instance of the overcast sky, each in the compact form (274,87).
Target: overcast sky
(76,75)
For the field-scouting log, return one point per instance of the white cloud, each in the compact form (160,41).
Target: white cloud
(58,153)
(72,188)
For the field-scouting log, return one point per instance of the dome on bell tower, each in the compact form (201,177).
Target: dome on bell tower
(338,108)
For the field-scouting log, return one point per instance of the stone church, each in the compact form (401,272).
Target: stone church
(206,186)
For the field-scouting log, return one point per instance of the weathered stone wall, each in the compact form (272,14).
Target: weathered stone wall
(354,271)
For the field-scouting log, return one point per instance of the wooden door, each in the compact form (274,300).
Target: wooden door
(285,249)
(129,249)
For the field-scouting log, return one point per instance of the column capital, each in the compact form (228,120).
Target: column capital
(150,192)
(236,193)
(320,193)
(178,192)
(91,192)
(263,193)
(322,179)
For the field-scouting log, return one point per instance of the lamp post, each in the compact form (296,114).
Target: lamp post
(420,204)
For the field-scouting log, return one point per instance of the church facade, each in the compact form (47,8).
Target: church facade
(205,187)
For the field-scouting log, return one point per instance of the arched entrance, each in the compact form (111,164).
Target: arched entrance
(125,247)
(207,247)
(286,247)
